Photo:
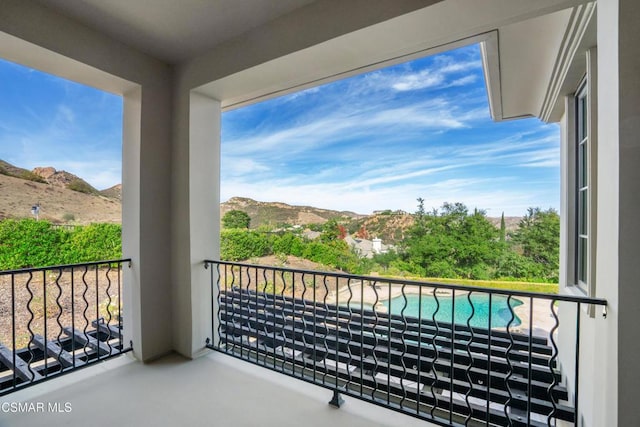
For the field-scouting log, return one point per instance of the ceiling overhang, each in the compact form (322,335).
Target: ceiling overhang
(536,62)
(442,26)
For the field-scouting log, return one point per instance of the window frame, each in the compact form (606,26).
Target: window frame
(582,189)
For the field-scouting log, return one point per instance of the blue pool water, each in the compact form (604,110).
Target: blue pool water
(500,313)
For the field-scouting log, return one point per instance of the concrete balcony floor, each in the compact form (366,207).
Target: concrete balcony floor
(214,390)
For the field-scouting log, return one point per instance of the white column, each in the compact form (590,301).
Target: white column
(204,209)
(146,226)
(195,216)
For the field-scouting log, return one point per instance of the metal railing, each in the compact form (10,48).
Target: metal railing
(448,354)
(54,320)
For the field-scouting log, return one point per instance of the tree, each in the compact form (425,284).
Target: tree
(236,219)
(503,228)
(331,231)
(538,236)
(450,242)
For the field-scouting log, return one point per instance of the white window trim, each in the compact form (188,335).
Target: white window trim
(573,287)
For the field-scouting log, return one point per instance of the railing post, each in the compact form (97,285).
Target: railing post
(336,401)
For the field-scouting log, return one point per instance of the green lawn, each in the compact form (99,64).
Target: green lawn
(547,288)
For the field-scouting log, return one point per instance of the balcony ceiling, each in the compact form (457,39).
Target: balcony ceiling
(171,30)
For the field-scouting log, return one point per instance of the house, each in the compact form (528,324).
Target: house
(367,248)
(178,65)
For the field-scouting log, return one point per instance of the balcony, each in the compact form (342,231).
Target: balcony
(285,342)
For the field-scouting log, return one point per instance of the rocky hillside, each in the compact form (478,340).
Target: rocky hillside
(64,179)
(389,226)
(276,213)
(114,192)
(63,197)
(8,169)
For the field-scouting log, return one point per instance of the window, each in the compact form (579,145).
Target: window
(582,185)
(582,182)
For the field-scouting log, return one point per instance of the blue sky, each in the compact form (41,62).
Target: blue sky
(383,139)
(49,121)
(375,141)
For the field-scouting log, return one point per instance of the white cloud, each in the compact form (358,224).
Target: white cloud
(65,114)
(375,142)
(436,77)
(238,166)
(422,80)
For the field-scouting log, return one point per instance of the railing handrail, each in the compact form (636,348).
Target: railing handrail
(342,332)
(426,284)
(71,315)
(65,266)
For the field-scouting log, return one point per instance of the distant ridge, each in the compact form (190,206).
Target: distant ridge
(277,213)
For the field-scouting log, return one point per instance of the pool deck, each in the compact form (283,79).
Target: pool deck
(542,321)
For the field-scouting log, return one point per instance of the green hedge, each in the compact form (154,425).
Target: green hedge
(28,243)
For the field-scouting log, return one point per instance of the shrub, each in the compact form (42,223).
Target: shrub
(287,244)
(237,244)
(28,243)
(95,242)
(81,187)
(236,219)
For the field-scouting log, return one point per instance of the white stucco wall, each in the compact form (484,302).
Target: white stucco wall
(610,373)
(625,122)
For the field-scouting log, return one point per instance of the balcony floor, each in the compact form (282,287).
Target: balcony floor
(213,390)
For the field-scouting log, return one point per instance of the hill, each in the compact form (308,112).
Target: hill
(8,169)
(390,226)
(276,214)
(62,196)
(114,192)
(64,179)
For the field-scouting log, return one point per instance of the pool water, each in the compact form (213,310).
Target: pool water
(500,313)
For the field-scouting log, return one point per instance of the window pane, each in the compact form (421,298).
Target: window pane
(582,111)
(582,212)
(582,259)
(582,165)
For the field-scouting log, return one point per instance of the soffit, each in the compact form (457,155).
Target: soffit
(171,30)
(540,60)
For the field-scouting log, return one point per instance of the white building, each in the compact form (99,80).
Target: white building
(179,64)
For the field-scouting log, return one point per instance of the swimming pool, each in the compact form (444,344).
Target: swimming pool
(500,313)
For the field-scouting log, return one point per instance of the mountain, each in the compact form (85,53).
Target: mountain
(63,197)
(276,213)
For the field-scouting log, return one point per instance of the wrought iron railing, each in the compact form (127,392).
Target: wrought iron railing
(449,354)
(54,320)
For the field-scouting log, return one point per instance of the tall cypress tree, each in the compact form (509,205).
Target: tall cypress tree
(503,228)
